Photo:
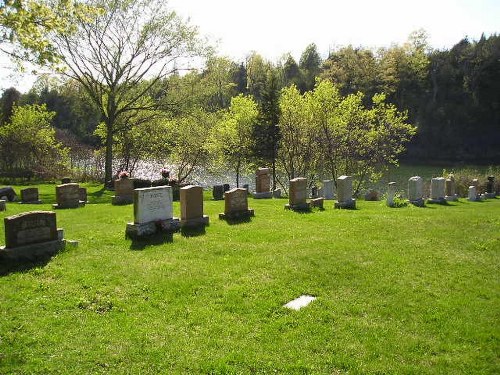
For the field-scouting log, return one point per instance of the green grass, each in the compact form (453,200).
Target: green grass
(403,291)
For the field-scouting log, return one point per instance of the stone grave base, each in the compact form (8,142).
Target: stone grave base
(60,206)
(440,200)
(490,195)
(31,202)
(298,207)
(350,204)
(317,202)
(237,215)
(32,252)
(478,198)
(265,195)
(276,193)
(451,198)
(419,202)
(134,231)
(118,200)
(194,223)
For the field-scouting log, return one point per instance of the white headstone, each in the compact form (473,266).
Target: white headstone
(415,188)
(344,188)
(328,189)
(437,188)
(152,204)
(391,191)
(472,193)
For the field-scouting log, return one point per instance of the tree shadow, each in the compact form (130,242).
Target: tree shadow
(152,240)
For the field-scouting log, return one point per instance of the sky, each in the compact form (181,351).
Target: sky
(275,27)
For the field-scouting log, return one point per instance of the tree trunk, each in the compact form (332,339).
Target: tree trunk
(108,163)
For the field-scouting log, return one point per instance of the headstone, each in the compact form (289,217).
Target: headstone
(450,189)
(30,195)
(416,191)
(314,192)
(191,200)
(472,194)
(437,190)
(263,184)
(30,235)
(236,205)
(277,193)
(3,205)
(246,187)
(372,195)
(391,192)
(490,188)
(68,196)
(218,192)
(297,197)
(124,191)
(226,187)
(328,190)
(83,194)
(153,212)
(9,193)
(344,193)
(318,202)
(65,180)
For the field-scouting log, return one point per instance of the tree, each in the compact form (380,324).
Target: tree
(121,57)
(9,99)
(257,69)
(310,65)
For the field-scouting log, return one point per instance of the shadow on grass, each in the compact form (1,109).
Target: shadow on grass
(237,221)
(153,240)
(22,265)
(193,231)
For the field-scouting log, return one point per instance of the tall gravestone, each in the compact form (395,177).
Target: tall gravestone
(30,196)
(153,212)
(218,192)
(490,188)
(328,189)
(236,205)
(344,193)
(30,235)
(68,196)
(450,188)
(297,197)
(391,193)
(263,184)
(191,200)
(416,191)
(124,191)
(437,190)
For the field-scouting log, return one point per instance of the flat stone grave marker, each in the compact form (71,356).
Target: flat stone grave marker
(153,212)
(344,193)
(437,190)
(416,191)
(191,200)
(68,196)
(124,191)
(236,205)
(30,195)
(297,197)
(263,184)
(299,302)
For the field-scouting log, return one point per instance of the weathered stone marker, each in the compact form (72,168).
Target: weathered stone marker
(30,195)
(473,196)
(124,191)
(263,184)
(490,188)
(68,196)
(344,193)
(3,205)
(450,188)
(318,202)
(153,212)
(391,192)
(437,190)
(415,191)
(297,197)
(218,192)
(236,205)
(328,189)
(83,194)
(191,200)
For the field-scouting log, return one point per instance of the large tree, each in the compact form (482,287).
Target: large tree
(122,56)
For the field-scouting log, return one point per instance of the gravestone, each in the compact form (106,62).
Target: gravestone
(328,189)
(8,193)
(218,192)
(191,200)
(277,193)
(30,235)
(65,180)
(415,191)
(236,205)
(372,195)
(297,197)
(153,212)
(30,195)
(226,187)
(263,184)
(472,194)
(490,188)
(318,202)
(124,191)
(391,192)
(3,205)
(68,196)
(314,192)
(83,194)
(344,193)
(437,190)
(450,188)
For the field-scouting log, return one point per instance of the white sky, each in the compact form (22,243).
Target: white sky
(275,27)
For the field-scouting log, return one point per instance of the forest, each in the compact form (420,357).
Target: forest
(355,111)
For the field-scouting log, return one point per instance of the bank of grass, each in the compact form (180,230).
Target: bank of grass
(406,290)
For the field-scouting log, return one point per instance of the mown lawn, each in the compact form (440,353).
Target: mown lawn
(403,290)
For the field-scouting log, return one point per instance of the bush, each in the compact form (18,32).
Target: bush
(464,177)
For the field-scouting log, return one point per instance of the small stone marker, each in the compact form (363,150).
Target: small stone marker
(450,189)
(68,196)
(124,191)
(191,198)
(236,205)
(3,205)
(318,202)
(153,212)
(297,198)
(277,193)
(391,192)
(328,189)
(30,195)
(372,195)
(415,191)
(65,180)
(490,188)
(344,193)
(299,302)
(263,184)
(218,192)
(437,190)
(30,235)
(82,192)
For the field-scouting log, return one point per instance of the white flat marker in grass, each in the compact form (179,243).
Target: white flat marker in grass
(299,302)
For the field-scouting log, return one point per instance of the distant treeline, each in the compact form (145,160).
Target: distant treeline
(452,96)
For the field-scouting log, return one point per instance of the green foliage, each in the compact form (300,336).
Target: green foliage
(464,176)
(28,143)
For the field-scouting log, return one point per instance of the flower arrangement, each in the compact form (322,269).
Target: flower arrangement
(123,174)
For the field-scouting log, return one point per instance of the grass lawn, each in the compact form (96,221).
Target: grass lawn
(404,291)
